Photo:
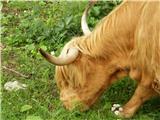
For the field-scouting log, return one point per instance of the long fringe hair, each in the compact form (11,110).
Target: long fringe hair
(146,53)
(115,36)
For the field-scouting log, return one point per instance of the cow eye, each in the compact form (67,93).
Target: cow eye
(67,51)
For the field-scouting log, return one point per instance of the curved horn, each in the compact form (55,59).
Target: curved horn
(70,57)
(84,24)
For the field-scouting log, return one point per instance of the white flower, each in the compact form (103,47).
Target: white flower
(52,53)
(116,112)
(14,85)
(120,109)
(116,105)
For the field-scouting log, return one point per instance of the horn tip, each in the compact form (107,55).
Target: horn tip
(43,53)
(41,50)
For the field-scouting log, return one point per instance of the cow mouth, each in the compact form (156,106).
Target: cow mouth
(75,105)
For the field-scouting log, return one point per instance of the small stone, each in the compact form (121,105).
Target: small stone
(14,85)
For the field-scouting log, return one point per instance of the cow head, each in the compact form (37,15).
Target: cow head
(80,77)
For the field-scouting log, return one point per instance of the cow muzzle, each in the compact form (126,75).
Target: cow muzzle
(72,101)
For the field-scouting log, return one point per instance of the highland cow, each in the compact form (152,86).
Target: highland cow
(125,42)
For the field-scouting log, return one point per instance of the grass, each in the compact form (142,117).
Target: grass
(22,33)
(43,96)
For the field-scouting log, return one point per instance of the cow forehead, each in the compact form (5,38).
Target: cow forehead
(68,45)
(64,50)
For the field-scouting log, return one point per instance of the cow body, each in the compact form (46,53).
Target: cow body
(111,51)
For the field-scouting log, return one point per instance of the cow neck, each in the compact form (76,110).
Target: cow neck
(114,34)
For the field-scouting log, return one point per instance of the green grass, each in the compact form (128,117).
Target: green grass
(43,95)
(38,27)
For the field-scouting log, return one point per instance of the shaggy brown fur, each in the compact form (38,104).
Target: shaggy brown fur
(146,54)
(156,85)
(129,37)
